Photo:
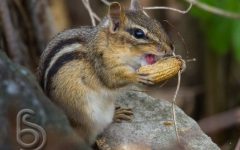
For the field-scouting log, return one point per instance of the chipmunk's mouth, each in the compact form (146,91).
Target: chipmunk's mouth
(150,58)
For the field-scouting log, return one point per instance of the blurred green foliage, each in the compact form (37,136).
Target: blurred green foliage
(222,33)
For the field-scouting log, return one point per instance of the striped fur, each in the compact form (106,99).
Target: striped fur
(61,53)
(57,63)
(83,70)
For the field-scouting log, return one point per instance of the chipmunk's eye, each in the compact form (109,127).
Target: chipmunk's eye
(139,34)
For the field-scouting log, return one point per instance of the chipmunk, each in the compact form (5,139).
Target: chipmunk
(83,70)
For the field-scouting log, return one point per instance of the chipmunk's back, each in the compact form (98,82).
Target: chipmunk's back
(64,43)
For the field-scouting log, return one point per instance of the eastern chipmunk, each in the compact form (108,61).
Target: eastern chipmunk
(83,70)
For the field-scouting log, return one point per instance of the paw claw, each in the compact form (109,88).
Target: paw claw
(122,114)
(143,78)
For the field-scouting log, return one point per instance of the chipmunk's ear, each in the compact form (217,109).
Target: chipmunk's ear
(116,17)
(136,5)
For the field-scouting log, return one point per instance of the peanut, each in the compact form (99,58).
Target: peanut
(163,69)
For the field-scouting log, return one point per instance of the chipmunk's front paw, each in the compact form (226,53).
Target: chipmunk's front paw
(142,77)
(122,113)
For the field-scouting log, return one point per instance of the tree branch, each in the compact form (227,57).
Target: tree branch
(238,145)
(197,4)
(173,9)
(106,2)
(91,13)
(215,10)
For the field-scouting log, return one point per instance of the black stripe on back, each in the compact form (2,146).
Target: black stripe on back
(58,64)
(54,51)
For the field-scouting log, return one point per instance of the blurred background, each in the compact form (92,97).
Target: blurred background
(210,86)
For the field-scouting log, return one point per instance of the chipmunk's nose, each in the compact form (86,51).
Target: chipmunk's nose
(166,48)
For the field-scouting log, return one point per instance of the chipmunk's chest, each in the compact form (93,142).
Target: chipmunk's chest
(102,108)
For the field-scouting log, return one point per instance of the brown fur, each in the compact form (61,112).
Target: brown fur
(85,85)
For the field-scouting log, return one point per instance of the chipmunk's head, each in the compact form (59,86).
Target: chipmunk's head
(141,38)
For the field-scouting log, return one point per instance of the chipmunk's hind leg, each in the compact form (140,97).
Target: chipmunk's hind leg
(122,113)
(119,114)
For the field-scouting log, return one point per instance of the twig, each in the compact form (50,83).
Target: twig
(173,9)
(87,6)
(173,106)
(174,103)
(197,4)
(189,60)
(91,13)
(96,16)
(179,75)
(184,43)
(215,10)
(238,145)
(106,2)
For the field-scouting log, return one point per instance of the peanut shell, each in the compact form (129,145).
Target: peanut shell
(163,69)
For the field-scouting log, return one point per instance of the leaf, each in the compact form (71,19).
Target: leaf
(221,33)
(218,34)
(236,40)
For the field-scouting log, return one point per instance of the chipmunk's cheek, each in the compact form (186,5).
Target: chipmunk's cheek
(150,58)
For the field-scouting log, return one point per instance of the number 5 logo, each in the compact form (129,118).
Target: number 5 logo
(20,132)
